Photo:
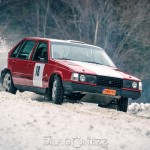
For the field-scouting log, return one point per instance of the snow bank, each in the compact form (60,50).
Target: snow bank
(139,109)
(30,122)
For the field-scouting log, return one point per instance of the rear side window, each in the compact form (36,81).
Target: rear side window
(16,50)
(26,49)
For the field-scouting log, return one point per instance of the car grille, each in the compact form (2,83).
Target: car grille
(110,81)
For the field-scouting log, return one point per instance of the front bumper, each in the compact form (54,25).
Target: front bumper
(74,87)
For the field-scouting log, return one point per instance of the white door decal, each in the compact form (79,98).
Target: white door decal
(38,74)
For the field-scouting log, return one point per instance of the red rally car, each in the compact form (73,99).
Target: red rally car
(65,68)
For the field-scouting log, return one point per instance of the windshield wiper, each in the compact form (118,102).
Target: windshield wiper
(63,58)
(97,63)
(92,62)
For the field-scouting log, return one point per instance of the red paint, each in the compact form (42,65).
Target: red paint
(22,70)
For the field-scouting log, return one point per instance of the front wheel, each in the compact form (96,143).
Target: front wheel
(7,83)
(57,90)
(123,104)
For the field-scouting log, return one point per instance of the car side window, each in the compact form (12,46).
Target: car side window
(26,49)
(16,50)
(41,52)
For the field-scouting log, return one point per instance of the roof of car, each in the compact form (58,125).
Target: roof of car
(62,41)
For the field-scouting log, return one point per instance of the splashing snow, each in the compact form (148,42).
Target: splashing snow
(139,109)
(4,47)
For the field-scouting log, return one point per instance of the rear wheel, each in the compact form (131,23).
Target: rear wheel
(57,90)
(7,83)
(123,104)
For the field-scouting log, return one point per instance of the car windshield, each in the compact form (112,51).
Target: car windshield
(80,52)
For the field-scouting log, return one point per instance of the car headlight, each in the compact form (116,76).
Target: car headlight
(88,78)
(91,79)
(82,78)
(140,86)
(134,85)
(130,84)
(75,77)
(127,84)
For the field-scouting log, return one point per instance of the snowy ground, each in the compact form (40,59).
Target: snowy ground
(27,121)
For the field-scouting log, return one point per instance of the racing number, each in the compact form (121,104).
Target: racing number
(37,72)
(38,75)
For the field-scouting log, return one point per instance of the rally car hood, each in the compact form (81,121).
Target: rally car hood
(96,69)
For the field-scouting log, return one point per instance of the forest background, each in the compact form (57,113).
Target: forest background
(121,27)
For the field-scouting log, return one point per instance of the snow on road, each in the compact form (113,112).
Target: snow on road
(27,121)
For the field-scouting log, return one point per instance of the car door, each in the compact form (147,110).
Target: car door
(37,65)
(19,61)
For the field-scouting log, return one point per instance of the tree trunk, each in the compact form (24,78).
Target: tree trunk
(96,29)
(45,19)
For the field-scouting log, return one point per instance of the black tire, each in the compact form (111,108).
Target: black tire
(7,83)
(123,104)
(57,90)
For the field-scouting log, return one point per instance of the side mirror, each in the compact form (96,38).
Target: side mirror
(43,60)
